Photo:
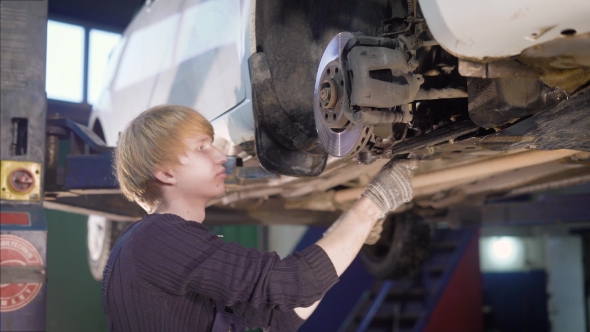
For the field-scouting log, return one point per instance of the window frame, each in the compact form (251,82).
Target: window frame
(87,26)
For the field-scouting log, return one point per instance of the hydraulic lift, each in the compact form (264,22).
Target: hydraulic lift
(30,177)
(23,230)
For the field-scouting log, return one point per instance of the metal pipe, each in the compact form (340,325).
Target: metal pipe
(347,195)
(450,177)
(440,94)
(488,167)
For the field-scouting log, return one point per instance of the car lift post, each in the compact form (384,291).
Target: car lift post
(23,229)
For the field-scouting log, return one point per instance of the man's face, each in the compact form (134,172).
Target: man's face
(201,174)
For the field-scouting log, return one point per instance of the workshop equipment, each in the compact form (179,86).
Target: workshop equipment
(447,287)
(23,230)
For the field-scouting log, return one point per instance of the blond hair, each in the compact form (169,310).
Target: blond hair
(154,138)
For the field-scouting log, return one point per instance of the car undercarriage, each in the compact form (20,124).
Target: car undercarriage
(387,89)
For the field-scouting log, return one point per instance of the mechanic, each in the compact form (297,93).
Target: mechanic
(172,274)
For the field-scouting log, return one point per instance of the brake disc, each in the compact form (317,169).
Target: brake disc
(339,136)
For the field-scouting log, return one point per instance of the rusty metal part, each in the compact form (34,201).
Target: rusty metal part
(241,195)
(376,117)
(490,167)
(556,184)
(565,62)
(453,149)
(380,93)
(347,195)
(435,137)
(495,102)
(497,69)
(561,53)
(567,79)
(582,157)
(428,43)
(366,157)
(548,70)
(564,126)
(470,172)
(410,20)
(440,94)
(318,202)
(344,174)
(442,197)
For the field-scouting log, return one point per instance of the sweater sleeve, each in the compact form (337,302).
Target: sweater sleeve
(177,256)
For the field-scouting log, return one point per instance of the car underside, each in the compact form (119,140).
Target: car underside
(385,88)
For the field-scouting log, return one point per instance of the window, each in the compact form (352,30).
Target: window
(101,46)
(66,61)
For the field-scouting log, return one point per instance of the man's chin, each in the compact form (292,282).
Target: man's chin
(221,193)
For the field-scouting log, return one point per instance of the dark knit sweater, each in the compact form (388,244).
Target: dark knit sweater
(170,268)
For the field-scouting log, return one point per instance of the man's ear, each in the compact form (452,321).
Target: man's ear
(165,175)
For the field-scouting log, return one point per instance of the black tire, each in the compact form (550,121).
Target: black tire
(402,249)
(101,235)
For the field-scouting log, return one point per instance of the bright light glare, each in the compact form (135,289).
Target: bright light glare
(65,62)
(503,249)
(101,45)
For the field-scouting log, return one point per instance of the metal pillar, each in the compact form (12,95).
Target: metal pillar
(23,230)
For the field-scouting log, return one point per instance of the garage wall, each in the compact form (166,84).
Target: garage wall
(566,283)
(74,300)
(283,238)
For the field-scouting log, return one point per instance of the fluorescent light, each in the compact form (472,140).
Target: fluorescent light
(503,249)
(502,254)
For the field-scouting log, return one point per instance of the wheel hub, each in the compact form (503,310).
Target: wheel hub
(331,97)
(339,136)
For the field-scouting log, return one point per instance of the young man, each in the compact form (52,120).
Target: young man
(171,268)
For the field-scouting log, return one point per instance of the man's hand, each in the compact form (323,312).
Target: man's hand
(392,186)
(389,189)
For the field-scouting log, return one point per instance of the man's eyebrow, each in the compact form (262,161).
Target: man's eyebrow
(204,139)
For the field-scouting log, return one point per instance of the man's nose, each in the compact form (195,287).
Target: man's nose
(220,156)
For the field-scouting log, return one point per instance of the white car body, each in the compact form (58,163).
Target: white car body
(186,52)
(195,53)
(490,29)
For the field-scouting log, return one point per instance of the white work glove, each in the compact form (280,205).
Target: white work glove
(392,186)
(389,189)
